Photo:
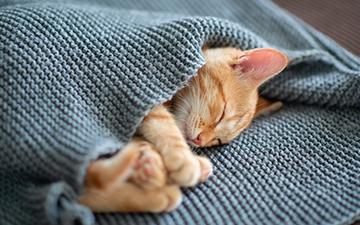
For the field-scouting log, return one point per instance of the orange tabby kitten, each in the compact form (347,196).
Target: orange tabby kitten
(216,105)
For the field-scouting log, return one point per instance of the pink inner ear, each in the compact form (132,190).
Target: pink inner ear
(261,64)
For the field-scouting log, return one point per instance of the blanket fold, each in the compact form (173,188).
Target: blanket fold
(77,77)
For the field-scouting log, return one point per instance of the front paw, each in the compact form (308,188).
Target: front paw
(174,198)
(183,166)
(149,171)
(206,168)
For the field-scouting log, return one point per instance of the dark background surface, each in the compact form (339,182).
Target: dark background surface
(338,19)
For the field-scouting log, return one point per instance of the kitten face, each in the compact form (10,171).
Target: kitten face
(220,101)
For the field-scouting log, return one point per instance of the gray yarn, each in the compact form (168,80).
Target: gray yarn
(76,78)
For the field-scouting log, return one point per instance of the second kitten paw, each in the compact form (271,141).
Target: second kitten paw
(149,171)
(206,168)
(183,167)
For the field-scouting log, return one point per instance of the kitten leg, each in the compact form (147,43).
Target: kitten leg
(136,160)
(159,127)
(149,171)
(133,180)
(129,197)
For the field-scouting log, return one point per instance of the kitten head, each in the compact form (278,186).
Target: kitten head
(220,101)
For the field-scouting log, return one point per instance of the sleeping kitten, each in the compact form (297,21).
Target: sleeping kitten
(216,105)
(221,100)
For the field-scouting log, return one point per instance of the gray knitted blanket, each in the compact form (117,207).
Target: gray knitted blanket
(76,78)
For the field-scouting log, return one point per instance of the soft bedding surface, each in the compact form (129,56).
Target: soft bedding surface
(77,77)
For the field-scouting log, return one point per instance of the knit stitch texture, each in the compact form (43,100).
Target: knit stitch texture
(77,77)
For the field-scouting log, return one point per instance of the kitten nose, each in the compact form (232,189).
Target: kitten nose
(197,140)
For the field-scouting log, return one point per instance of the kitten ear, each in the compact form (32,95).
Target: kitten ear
(260,64)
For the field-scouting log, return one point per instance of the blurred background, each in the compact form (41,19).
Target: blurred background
(339,19)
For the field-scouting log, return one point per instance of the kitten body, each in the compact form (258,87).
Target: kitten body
(215,106)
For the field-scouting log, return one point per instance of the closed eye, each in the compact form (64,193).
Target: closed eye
(219,141)
(222,116)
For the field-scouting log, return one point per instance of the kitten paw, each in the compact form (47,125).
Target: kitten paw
(206,168)
(149,171)
(183,167)
(164,199)
(174,197)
